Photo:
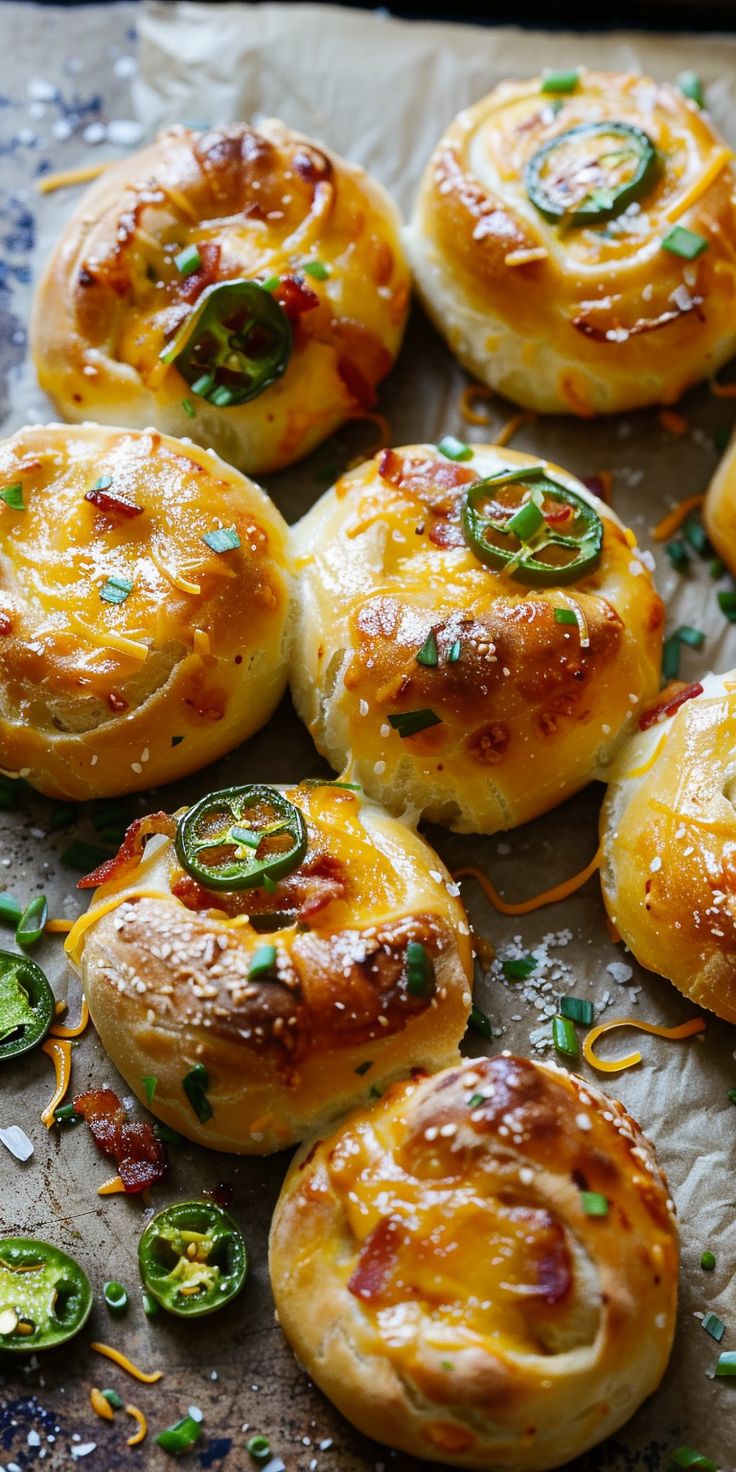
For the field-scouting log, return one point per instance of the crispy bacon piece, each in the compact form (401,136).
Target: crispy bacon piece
(374,1266)
(665,708)
(6,623)
(189,288)
(295,297)
(320,879)
(131,848)
(421,476)
(141,1158)
(106,500)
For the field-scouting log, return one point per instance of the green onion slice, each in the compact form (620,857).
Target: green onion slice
(726,1366)
(518,968)
(188,260)
(714,1326)
(454,449)
(428,653)
(691,86)
(418,968)
(116,590)
(577,1009)
(684,243)
(32,922)
(222,539)
(560,81)
(593,1203)
(565,1037)
(411,722)
(195,1085)
(479,1021)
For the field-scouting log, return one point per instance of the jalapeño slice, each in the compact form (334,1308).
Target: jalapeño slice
(591,173)
(45,1297)
(530,527)
(192,1258)
(241,837)
(26,1005)
(234,344)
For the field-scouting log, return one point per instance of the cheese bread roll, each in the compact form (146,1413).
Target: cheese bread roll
(573,241)
(272,958)
(144,609)
(243,285)
(481,1269)
(668,836)
(719,511)
(472,636)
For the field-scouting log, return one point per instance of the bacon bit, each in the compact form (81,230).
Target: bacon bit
(141,1158)
(661,712)
(601,484)
(139,1435)
(125,1364)
(130,851)
(513,426)
(685,1030)
(60,1053)
(61,180)
(100,1405)
(524,907)
(419,476)
(57,1030)
(108,501)
(377,1258)
(722,390)
(381,439)
(469,413)
(674,519)
(6,624)
(672,422)
(295,297)
(446,534)
(114,1187)
(320,879)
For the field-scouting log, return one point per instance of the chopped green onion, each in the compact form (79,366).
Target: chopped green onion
(519,967)
(222,539)
(33,921)
(714,1326)
(671,658)
(565,1037)
(67,1114)
(150,1083)
(116,590)
(428,653)
(13,496)
(685,243)
(694,532)
(732,1095)
(374,1092)
(364,1067)
(418,965)
(202,386)
(411,722)
(447,1364)
(270,283)
(170,1137)
(103,483)
(316,269)
(221,397)
(686,1456)
(475,1100)
(195,1084)
(691,86)
(180,1437)
(259,1448)
(577,1009)
(454,652)
(677,553)
(188,407)
(83,856)
(560,81)
(565,616)
(479,1021)
(150,1306)
(727,604)
(593,1203)
(717,568)
(115,1296)
(708,1261)
(721,437)
(262,962)
(176,740)
(726,1364)
(188,260)
(454,449)
(10,910)
(526,521)
(113,1399)
(694,638)
(245,836)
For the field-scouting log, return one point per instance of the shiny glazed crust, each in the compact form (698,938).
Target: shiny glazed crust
(668,835)
(257,203)
(99,697)
(438,1277)
(528,713)
(165,970)
(598,319)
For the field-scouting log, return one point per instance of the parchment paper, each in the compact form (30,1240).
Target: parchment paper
(380,91)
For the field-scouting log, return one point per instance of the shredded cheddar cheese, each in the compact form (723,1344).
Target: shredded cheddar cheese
(60,1053)
(513,426)
(109,639)
(58,927)
(113,1187)
(58,1030)
(177,578)
(470,414)
(525,907)
(671,523)
(139,1435)
(699,185)
(66,177)
(125,1364)
(649,763)
(71,944)
(685,1030)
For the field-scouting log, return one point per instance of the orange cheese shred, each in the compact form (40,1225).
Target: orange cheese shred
(113,1187)
(118,1358)
(671,421)
(674,519)
(60,1053)
(139,1435)
(58,1030)
(468,398)
(685,1030)
(58,927)
(649,763)
(65,177)
(722,390)
(100,1405)
(512,427)
(525,907)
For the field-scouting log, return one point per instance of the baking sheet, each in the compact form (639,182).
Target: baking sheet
(83,86)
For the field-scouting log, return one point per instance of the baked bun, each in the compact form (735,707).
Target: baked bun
(543,262)
(132,649)
(234,204)
(353,970)
(719,511)
(438,1275)
(668,836)
(455,688)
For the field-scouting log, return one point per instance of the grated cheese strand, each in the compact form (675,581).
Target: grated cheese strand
(60,1053)
(58,927)
(513,426)
(525,907)
(139,1435)
(469,413)
(699,185)
(649,763)
(118,1358)
(66,177)
(685,1030)
(674,519)
(58,1030)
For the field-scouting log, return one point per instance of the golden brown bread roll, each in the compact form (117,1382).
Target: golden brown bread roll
(481,1269)
(668,830)
(591,300)
(719,511)
(144,608)
(355,968)
(475,695)
(260,373)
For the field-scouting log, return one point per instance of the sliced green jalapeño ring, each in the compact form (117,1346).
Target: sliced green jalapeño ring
(241,837)
(45,1297)
(522,523)
(26,1005)
(591,173)
(192,1258)
(236,342)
